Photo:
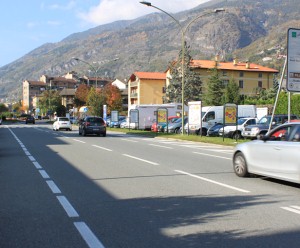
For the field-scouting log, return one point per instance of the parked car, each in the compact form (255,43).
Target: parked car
(274,155)
(92,125)
(235,131)
(117,123)
(262,127)
(30,119)
(214,130)
(160,127)
(62,123)
(176,126)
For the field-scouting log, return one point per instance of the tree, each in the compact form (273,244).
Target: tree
(3,108)
(192,81)
(95,102)
(81,95)
(232,92)
(49,101)
(113,97)
(215,89)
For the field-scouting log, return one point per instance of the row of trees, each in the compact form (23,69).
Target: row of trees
(50,100)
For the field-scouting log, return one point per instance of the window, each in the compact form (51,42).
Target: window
(210,116)
(224,73)
(259,85)
(241,74)
(260,75)
(241,84)
(163,89)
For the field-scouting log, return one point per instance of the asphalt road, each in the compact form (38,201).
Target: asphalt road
(59,189)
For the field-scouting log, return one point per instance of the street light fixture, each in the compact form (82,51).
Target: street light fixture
(183,31)
(93,68)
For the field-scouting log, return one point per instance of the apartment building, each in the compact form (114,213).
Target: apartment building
(248,76)
(146,88)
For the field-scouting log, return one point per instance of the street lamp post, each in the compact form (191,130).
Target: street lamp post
(93,68)
(183,31)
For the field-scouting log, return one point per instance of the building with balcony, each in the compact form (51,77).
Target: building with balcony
(249,76)
(146,88)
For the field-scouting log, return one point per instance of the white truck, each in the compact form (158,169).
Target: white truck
(215,114)
(142,116)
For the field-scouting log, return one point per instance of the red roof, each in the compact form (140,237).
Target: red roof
(150,75)
(210,64)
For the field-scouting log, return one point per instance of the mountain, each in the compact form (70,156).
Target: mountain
(249,30)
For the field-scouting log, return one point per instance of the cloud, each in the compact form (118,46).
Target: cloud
(70,5)
(111,10)
(31,25)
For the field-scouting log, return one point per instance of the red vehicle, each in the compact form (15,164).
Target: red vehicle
(156,128)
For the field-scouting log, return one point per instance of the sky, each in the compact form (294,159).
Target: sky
(26,25)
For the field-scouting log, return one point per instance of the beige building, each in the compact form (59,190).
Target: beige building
(146,88)
(31,91)
(247,75)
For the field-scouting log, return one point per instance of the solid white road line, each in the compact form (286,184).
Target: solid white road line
(53,187)
(71,212)
(167,147)
(103,148)
(211,155)
(89,237)
(140,159)
(212,181)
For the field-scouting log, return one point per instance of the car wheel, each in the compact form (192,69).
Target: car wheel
(83,132)
(104,134)
(79,132)
(237,135)
(240,165)
(176,130)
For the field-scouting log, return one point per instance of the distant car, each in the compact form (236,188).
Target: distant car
(0,121)
(214,130)
(62,123)
(30,119)
(92,125)
(274,155)
(46,117)
(117,123)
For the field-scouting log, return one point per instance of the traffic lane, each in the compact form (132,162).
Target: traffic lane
(168,233)
(29,213)
(219,152)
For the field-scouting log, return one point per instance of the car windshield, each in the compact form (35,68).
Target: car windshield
(241,121)
(265,120)
(63,119)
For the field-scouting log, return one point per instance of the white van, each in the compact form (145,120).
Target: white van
(215,114)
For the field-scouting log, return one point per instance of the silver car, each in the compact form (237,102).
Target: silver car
(274,155)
